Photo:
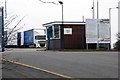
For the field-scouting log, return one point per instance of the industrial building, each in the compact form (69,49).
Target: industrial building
(65,35)
(92,34)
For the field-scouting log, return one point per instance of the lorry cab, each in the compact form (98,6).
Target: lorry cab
(40,40)
(35,38)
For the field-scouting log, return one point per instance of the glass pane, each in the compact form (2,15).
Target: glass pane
(40,37)
(56,31)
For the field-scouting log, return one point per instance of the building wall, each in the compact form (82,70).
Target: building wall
(71,35)
(55,44)
(76,40)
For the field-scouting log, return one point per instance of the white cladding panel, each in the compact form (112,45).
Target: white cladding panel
(12,39)
(12,42)
(95,28)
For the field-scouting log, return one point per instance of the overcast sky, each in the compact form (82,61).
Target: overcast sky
(38,13)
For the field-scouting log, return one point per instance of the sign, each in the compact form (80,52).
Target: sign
(97,28)
(67,30)
(91,31)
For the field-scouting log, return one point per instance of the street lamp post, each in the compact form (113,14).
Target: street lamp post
(98,34)
(61,3)
(98,25)
(62,27)
(110,22)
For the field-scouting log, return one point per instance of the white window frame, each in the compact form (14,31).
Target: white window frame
(54,33)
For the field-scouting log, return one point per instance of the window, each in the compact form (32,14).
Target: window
(40,37)
(56,31)
(49,32)
(53,32)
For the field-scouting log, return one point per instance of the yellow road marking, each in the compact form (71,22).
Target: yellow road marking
(51,72)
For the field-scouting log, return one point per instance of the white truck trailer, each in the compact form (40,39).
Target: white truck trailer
(32,38)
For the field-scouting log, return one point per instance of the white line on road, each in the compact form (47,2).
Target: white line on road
(51,72)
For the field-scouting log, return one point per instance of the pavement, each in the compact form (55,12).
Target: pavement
(73,64)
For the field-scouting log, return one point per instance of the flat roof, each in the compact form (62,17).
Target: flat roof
(65,22)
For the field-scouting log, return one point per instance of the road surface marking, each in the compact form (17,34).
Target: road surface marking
(51,72)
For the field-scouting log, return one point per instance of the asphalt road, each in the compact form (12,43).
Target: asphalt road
(11,70)
(73,64)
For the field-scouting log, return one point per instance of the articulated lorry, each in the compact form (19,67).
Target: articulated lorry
(32,38)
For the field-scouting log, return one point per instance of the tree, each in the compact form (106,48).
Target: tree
(12,31)
(117,44)
(8,20)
